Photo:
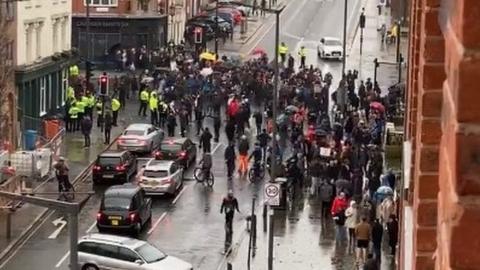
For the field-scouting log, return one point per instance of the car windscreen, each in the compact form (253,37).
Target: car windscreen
(171,147)
(134,132)
(155,174)
(105,161)
(150,253)
(333,43)
(115,202)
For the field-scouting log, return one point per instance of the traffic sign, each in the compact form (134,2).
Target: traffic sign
(272,194)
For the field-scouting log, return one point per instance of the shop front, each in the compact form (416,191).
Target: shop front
(108,35)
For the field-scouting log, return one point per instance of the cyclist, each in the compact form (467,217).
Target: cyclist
(243,147)
(257,158)
(206,163)
(263,139)
(61,172)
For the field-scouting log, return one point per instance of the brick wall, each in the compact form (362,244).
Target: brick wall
(443,123)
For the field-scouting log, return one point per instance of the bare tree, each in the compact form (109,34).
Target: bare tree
(6,80)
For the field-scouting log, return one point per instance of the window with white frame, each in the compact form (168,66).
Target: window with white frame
(38,43)
(55,35)
(64,33)
(101,3)
(29,43)
(43,96)
(64,85)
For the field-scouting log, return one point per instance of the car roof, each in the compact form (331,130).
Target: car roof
(126,190)
(171,140)
(155,164)
(331,38)
(113,239)
(112,153)
(138,126)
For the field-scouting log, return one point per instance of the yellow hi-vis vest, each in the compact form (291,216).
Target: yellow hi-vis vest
(302,52)
(153,102)
(73,112)
(282,49)
(80,106)
(115,105)
(144,95)
(70,93)
(74,70)
(99,106)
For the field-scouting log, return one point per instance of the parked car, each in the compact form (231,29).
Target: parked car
(160,177)
(331,48)
(124,208)
(208,31)
(183,150)
(210,20)
(237,14)
(226,15)
(104,251)
(140,138)
(112,167)
(236,5)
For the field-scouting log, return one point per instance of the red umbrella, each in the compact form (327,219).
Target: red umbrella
(377,106)
(259,51)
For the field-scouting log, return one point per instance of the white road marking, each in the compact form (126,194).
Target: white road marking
(216,147)
(91,227)
(56,222)
(156,223)
(179,194)
(62,260)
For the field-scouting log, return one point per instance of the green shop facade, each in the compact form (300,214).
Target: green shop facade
(41,90)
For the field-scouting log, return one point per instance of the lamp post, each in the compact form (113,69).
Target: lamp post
(87,62)
(362,26)
(344,36)
(171,12)
(216,29)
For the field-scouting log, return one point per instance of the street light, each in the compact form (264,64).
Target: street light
(87,69)
(344,37)
(362,26)
(171,12)
(216,29)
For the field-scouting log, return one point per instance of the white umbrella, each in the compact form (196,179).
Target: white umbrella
(206,71)
(147,79)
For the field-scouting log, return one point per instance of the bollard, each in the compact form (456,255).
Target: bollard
(229,266)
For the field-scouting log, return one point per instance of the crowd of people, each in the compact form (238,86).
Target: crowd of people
(328,142)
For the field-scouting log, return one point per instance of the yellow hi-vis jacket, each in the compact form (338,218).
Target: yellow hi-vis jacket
(115,104)
(302,52)
(153,103)
(144,95)
(282,49)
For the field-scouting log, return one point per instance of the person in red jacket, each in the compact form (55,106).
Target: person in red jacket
(339,203)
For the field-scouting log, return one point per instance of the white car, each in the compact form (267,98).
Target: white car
(104,251)
(330,48)
(140,138)
(160,177)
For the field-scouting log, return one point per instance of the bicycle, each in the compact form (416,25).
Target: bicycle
(257,171)
(67,191)
(199,174)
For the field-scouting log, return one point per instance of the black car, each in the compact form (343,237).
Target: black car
(210,20)
(208,31)
(124,208)
(182,150)
(114,167)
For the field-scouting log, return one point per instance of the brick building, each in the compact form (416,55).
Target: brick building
(441,213)
(116,24)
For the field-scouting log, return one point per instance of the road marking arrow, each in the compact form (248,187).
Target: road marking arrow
(56,222)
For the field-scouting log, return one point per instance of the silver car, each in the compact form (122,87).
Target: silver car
(104,251)
(160,177)
(140,138)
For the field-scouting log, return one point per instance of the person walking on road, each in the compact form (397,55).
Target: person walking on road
(392,228)
(171,124)
(326,196)
(86,126)
(352,221)
(108,127)
(143,102)
(153,104)
(377,236)
(263,6)
(362,233)
(230,157)
(243,147)
(61,172)
(205,141)
(229,205)
(115,108)
(303,55)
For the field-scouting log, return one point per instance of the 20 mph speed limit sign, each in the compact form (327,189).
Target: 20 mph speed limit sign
(272,194)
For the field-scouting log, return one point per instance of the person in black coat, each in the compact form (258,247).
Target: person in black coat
(392,228)
(171,124)
(230,158)
(108,127)
(205,140)
(217,122)
(230,130)
(377,235)
(86,126)
(370,263)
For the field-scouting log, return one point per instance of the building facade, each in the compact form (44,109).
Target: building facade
(441,207)
(43,55)
(117,24)
(8,100)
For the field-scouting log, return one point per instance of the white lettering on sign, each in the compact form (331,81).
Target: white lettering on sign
(272,194)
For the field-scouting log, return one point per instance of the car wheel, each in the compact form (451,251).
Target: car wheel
(89,267)
(137,229)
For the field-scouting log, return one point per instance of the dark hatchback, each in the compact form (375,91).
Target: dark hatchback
(182,150)
(124,208)
(114,167)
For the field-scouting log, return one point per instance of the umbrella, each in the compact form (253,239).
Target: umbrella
(206,71)
(147,79)
(377,106)
(291,108)
(385,190)
(208,56)
(258,51)
(282,119)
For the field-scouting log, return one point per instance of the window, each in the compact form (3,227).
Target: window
(150,253)
(9,54)
(38,49)
(64,85)
(107,251)
(126,254)
(7,10)
(101,3)
(43,96)
(155,174)
(55,35)
(87,247)
(63,45)
(29,41)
